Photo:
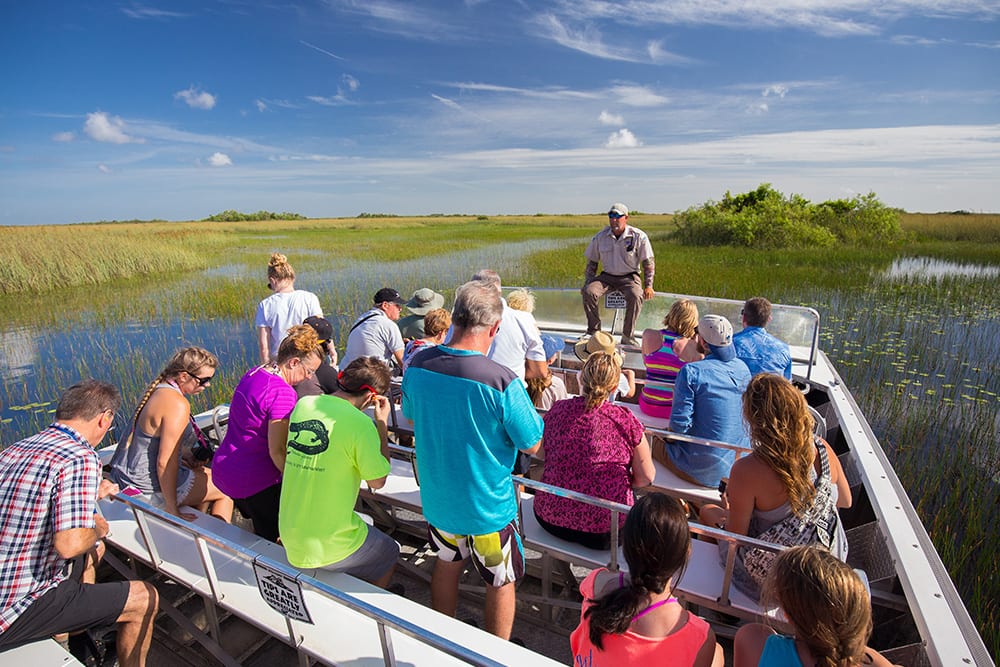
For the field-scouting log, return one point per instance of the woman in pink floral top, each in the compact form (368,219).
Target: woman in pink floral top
(595,447)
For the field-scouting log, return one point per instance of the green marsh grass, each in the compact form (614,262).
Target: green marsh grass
(919,356)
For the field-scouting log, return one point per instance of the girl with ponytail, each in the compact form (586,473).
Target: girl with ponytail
(829,610)
(251,459)
(149,453)
(633,619)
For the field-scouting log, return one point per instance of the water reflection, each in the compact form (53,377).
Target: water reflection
(929,268)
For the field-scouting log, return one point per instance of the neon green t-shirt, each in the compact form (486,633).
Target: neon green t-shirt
(332,446)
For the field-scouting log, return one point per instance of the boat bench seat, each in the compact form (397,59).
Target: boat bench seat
(702,583)
(338,633)
(41,653)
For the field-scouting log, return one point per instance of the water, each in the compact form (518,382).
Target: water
(931,269)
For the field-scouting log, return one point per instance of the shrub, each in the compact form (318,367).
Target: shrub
(764,218)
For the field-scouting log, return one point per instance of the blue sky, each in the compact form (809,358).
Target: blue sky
(178,110)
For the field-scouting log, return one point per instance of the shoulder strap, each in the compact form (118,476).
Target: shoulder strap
(362,321)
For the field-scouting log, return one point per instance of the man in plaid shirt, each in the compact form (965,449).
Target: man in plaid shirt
(50,533)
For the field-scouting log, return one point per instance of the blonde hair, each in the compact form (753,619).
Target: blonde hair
(436,321)
(186,360)
(279,268)
(521,299)
(300,341)
(599,377)
(682,318)
(781,435)
(826,602)
(537,387)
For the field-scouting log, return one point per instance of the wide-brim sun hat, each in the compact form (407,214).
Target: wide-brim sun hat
(424,300)
(600,342)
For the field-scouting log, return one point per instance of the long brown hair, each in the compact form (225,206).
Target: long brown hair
(825,601)
(781,435)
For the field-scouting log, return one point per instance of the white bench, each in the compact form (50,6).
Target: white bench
(41,653)
(349,619)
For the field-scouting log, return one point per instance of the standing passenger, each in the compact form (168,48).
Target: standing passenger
(375,333)
(518,345)
(471,416)
(282,310)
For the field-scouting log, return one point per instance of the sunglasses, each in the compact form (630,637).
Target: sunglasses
(202,382)
(615,216)
(340,377)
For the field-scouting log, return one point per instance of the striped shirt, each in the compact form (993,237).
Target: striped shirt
(48,484)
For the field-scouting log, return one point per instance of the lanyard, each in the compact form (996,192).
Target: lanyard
(71,433)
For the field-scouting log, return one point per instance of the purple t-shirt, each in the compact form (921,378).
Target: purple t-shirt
(242,465)
(589,451)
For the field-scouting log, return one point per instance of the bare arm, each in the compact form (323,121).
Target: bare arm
(264,344)
(648,271)
(630,376)
(277,442)
(643,470)
(531,451)
(398,355)
(652,341)
(742,498)
(382,406)
(535,369)
(686,349)
(175,411)
(590,272)
(76,541)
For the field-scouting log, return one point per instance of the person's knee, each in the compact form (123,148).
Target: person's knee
(143,601)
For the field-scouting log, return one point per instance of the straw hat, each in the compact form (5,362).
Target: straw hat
(601,341)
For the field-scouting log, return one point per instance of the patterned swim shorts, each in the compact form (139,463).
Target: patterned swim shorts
(498,557)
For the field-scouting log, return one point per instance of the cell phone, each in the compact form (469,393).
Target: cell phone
(722,487)
(130,491)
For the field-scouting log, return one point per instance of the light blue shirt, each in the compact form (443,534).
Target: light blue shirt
(708,397)
(762,352)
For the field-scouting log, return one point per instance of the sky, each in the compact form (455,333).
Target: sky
(178,110)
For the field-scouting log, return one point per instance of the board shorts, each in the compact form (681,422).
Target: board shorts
(498,557)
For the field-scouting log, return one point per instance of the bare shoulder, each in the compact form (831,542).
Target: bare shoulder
(749,644)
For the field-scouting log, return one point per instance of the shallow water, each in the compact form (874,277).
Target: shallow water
(929,268)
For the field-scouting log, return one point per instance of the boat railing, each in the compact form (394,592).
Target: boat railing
(161,533)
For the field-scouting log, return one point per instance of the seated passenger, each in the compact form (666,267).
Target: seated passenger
(759,350)
(423,301)
(828,607)
(603,342)
(633,619)
(595,447)
(664,352)
(150,451)
(436,324)
(707,396)
(791,475)
(332,446)
(375,333)
(249,462)
(545,391)
(325,379)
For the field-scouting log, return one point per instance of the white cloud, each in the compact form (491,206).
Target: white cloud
(104,169)
(775,89)
(196,99)
(110,129)
(758,108)
(136,11)
(64,136)
(623,138)
(610,119)
(451,104)
(351,83)
(323,51)
(261,105)
(638,96)
(220,160)
(588,39)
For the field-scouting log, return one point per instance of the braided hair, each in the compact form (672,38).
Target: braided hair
(656,543)
(186,360)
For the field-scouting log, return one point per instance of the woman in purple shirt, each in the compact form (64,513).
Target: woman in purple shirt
(595,447)
(249,462)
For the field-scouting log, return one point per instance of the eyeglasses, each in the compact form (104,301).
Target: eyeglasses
(202,382)
(615,216)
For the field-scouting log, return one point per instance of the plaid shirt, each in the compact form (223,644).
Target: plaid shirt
(48,483)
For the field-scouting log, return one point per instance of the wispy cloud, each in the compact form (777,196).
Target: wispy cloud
(588,39)
(323,51)
(610,119)
(263,104)
(220,160)
(638,96)
(834,18)
(406,19)
(64,136)
(623,138)
(104,169)
(195,98)
(350,82)
(99,126)
(342,97)
(548,92)
(142,12)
